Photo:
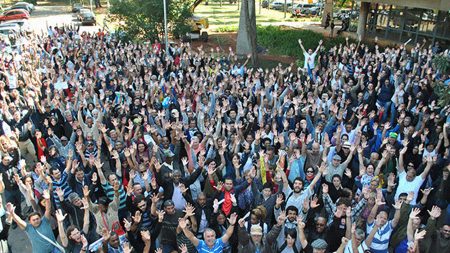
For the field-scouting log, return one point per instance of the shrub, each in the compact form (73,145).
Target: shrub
(227,28)
(284,41)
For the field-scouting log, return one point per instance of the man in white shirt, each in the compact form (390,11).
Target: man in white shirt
(408,181)
(309,55)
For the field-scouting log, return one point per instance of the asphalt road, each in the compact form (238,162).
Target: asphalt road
(42,17)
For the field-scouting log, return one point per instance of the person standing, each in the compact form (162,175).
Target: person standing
(38,228)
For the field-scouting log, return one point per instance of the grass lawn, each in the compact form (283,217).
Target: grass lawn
(226,18)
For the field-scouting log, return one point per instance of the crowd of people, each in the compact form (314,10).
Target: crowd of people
(112,146)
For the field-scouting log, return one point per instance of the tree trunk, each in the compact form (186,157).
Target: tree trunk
(327,8)
(246,40)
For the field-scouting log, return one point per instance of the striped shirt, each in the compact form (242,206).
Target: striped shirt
(218,247)
(64,185)
(380,241)
(109,191)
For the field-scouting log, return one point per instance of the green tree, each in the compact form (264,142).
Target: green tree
(144,19)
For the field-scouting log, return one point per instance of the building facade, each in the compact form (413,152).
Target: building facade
(405,20)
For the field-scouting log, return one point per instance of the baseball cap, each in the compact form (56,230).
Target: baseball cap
(73,196)
(168,202)
(393,135)
(319,244)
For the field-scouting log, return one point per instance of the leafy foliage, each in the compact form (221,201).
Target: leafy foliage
(442,64)
(144,19)
(284,41)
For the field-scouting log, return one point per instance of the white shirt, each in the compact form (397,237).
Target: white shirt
(361,247)
(405,187)
(309,60)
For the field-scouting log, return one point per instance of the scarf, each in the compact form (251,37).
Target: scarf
(227,204)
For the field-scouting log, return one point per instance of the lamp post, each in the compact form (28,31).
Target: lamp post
(165,27)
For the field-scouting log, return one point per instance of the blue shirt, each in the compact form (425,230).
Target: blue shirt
(381,239)
(218,247)
(39,244)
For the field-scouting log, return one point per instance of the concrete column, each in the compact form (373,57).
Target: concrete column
(363,13)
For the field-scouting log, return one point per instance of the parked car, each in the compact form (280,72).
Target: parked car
(9,30)
(23,24)
(88,18)
(14,15)
(22,6)
(81,12)
(276,6)
(30,5)
(299,8)
(76,7)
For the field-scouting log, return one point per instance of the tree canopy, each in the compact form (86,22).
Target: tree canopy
(144,19)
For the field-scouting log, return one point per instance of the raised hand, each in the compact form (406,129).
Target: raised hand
(86,191)
(46,194)
(414,213)
(398,204)
(127,224)
(155,198)
(282,218)
(189,210)
(314,202)
(145,235)
(419,235)
(435,212)
(60,216)
(127,247)
(183,248)
(219,186)
(348,211)
(280,199)
(160,214)
(233,218)
(427,191)
(137,217)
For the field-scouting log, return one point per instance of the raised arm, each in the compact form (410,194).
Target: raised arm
(401,166)
(11,210)
(301,45)
(301,232)
(86,215)
(188,233)
(398,207)
(230,229)
(62,232)
(427,168)
(318,47)
(48,204)
(98,164)
(313,183)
